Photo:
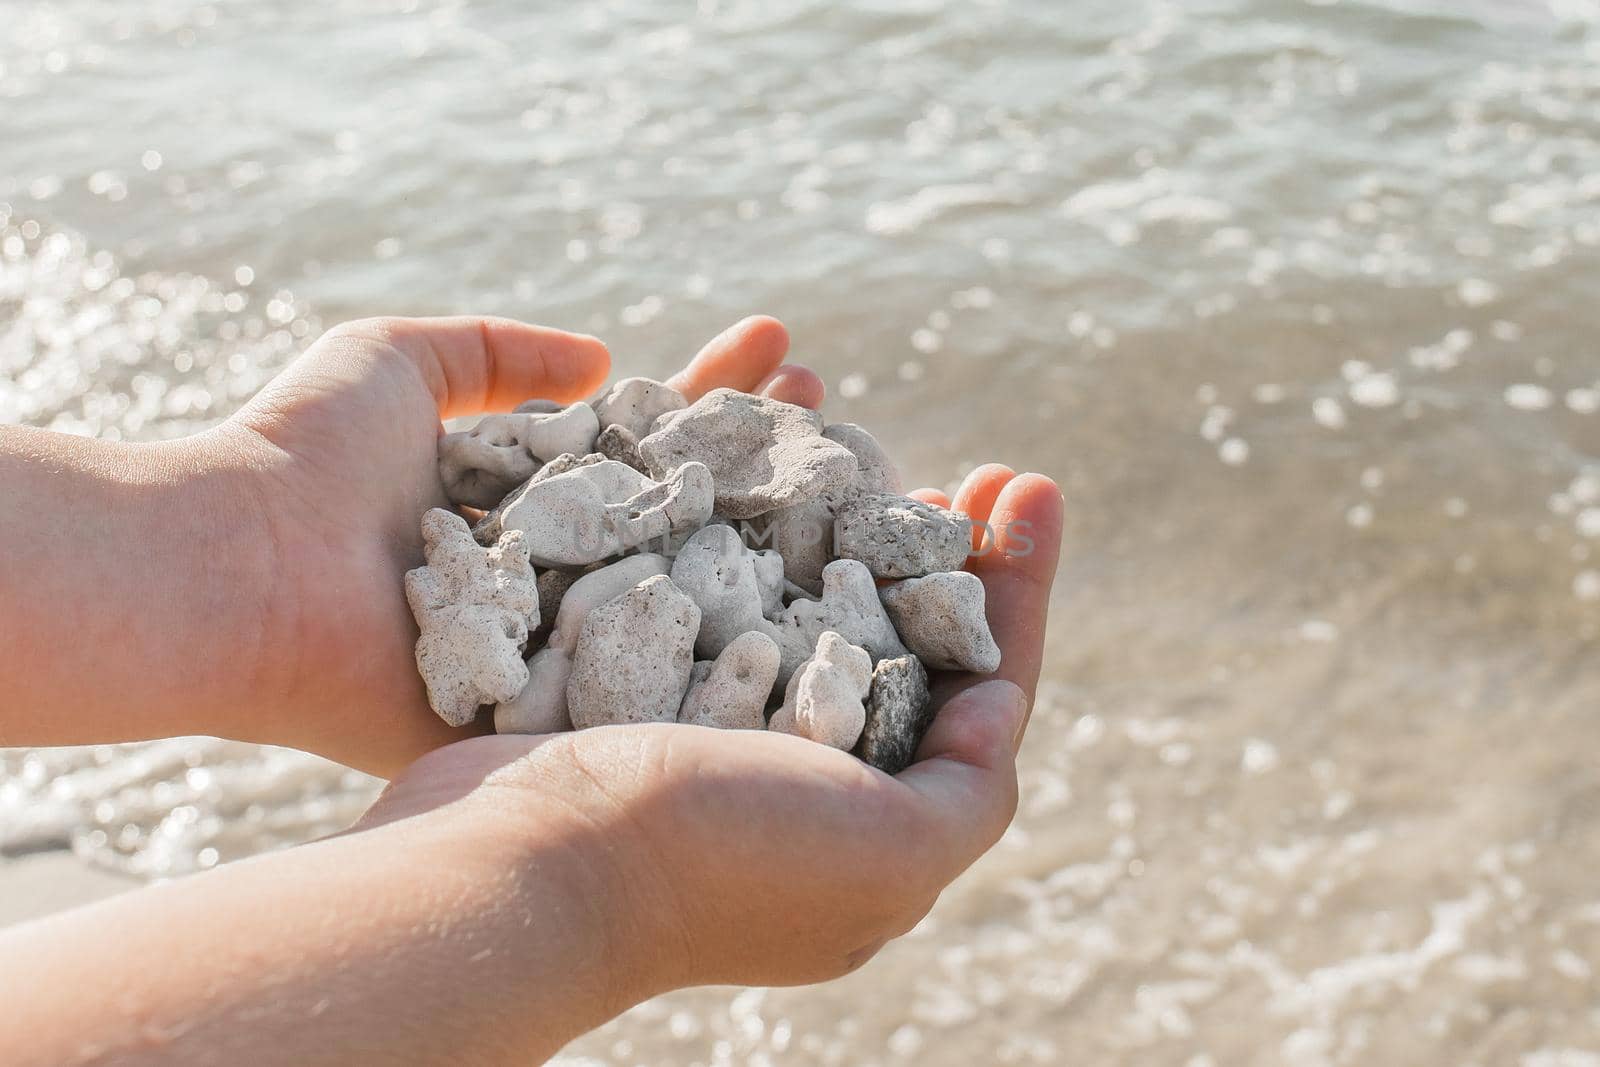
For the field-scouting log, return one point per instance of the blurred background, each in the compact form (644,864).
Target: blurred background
(1296,299)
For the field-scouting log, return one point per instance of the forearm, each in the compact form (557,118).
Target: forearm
(414,942)
(132,586)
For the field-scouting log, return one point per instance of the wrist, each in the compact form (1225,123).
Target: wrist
(140,625)
(207,554)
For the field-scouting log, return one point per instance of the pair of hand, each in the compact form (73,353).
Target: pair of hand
(735,857)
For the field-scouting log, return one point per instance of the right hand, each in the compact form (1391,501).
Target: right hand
(759,858)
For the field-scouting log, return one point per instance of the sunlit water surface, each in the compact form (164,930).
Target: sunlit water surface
(1297,300)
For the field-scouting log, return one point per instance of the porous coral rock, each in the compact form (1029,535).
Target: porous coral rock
(823,701)
(634,657)
(634,404)
(474,607)
(615,442)
(941,618)
(553,585)
(804,533)
(764,454)
(731,692)
(541,706)
(731,584)
(849,605)
(597,510)
(480,466)
(898,537)
(899,712)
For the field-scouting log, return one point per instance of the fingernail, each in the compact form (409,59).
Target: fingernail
(1010,697)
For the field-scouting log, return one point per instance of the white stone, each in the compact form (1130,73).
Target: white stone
(849,606)
(824,701)
(764,454)
(731,693)
(598,510)
(941,618)
(732,585)
(480,466)
(636,403)
(541,706)
(803,534)
(474,607)
(634,657)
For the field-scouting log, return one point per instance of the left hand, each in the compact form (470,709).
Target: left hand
(342,449)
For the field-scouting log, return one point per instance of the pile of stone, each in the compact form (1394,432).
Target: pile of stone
(617,548)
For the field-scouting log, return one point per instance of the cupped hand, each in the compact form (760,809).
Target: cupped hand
(760,858)
(342,446)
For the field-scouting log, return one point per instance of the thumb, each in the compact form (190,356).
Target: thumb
(966,770)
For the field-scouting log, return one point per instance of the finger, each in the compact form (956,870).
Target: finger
(975,499)
(965,772)
(1017,574)
(474,364)
(930,496)
(794,384)
(740,358)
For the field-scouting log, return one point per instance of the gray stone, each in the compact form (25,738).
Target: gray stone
(615,442)
(898,537)
(899,712)
(553,585)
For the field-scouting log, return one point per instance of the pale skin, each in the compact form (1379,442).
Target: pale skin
(505,894)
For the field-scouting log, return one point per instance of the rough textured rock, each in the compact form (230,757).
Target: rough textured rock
(634,657)
(803,533)
(899,712)
(553,585)
(537,406)
(875,471)
(898,537)
(541,705)
(764,454)
(731,584)
(849,606)
(597,510)
(823,701)
(731,693)
(635,404)
(770,581)
(941,618)
(480,466)
(615,442)
(474,607)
